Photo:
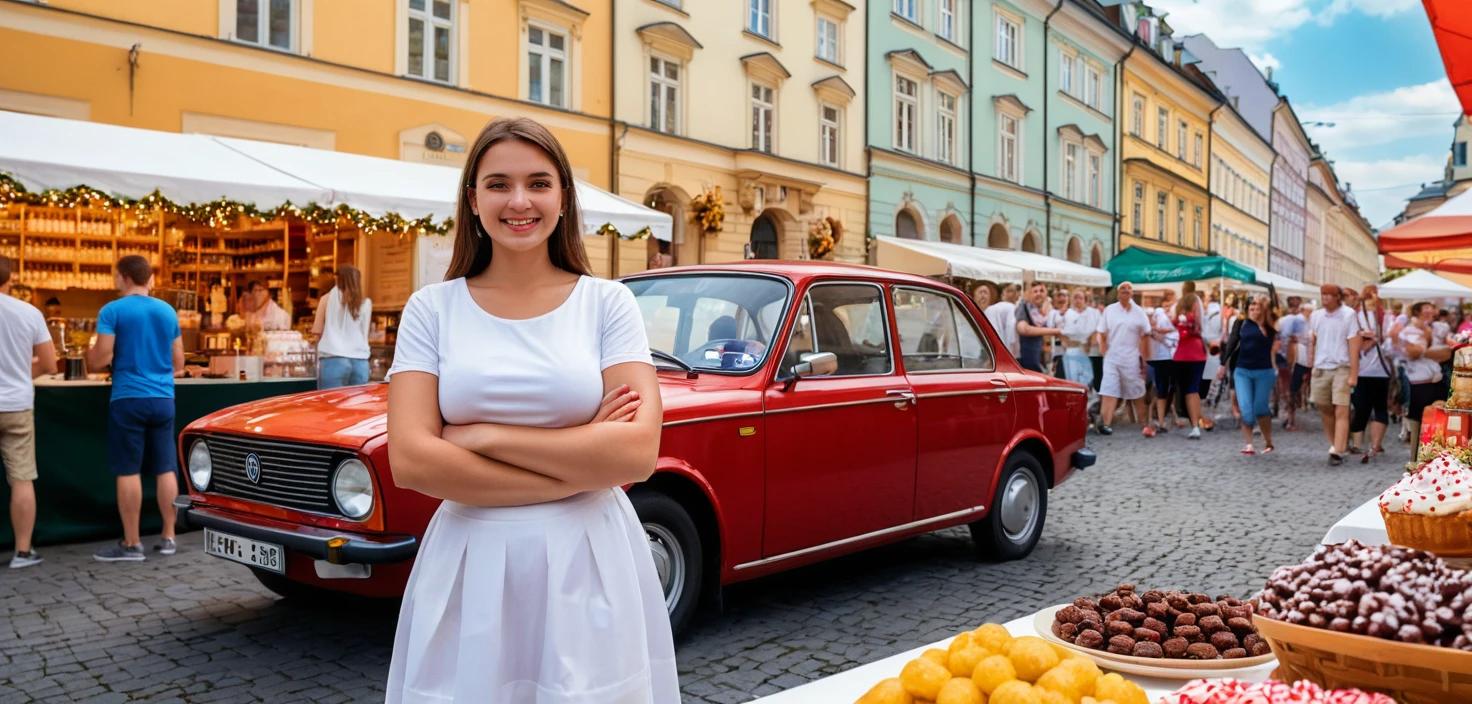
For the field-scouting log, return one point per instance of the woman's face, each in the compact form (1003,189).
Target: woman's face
(1079,299)
(518,195)
(1254,309)
(1427,314)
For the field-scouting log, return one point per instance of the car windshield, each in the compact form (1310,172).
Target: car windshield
(712,322)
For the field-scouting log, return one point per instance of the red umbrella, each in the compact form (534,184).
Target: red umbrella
(1451,22)
(1440,239)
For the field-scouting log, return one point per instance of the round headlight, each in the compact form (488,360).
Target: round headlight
(200,467)
(352,488)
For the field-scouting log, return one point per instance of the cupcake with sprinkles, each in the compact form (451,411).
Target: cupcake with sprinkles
(1431,508)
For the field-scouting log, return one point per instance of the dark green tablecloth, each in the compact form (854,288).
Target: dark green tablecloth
(76,499)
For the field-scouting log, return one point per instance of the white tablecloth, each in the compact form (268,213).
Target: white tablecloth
(846,687)
(1363,524)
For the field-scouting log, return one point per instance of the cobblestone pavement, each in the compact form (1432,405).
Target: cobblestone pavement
(1161,512)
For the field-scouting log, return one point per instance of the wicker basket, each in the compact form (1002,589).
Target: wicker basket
(1413,674)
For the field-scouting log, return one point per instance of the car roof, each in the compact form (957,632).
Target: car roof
(796,271)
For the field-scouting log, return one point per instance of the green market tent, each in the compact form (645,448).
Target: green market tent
(1143,266)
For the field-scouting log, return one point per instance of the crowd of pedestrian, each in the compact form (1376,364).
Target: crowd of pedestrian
(1358,362)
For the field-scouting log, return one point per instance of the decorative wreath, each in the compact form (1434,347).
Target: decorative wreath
(708,210)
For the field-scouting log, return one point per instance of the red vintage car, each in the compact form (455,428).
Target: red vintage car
(811,410)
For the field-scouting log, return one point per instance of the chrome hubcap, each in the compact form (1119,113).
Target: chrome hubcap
(1020,506)
(669,562)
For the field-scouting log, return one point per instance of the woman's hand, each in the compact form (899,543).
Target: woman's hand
(618,405)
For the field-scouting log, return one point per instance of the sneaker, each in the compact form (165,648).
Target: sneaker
(25,559)
(1335,460)
(1195,434)
(167,546)
(1106,430)
(120,553)
(1148,431)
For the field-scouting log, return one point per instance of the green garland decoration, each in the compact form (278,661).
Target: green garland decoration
(221,212)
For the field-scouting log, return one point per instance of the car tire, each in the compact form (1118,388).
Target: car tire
(287,589)
(679,556)
(1011,529)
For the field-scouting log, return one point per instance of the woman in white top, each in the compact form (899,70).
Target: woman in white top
(1422,366)
(1080,322)
(523,394)
(342,329)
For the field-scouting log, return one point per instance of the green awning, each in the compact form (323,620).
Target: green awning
(1144,266)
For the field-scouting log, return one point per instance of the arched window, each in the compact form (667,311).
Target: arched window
(1096,256)
(950,229)
(1075,250)
(1030,243)
(905,226)
(764,238)
(998,238)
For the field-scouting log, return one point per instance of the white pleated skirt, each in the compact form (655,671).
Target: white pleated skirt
(555,603)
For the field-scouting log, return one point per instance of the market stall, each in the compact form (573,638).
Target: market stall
(1145,266)
(213,215)
(928,258)
(1423,285)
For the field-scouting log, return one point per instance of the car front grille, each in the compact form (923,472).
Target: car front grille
(292,475)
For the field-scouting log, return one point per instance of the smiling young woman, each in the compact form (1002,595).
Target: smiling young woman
(522,394)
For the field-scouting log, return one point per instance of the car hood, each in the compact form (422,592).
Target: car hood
(347,416)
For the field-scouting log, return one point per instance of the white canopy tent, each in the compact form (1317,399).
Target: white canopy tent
(1284,285)
(929,258)
(1423,284)
(48,152)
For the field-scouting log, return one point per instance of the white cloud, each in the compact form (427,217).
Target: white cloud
(1416,111)
(1249,24)
(1265,61)
(1382,9)
(1381,186)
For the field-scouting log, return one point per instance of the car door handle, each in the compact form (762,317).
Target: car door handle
(1001,388)
(904,397)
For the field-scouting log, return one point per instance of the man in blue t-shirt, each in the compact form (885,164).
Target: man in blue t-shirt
(139,336)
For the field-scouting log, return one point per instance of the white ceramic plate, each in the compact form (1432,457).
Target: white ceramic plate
(1169,668)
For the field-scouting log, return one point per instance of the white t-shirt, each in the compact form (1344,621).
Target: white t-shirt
(268,317)
(1079,325)
(1421,370)
(1369,354)
(1122,331)
(1055,320)
(543,372)
(1163,345)
(1331,333)
(1003,317)
(22,327)
(342,334)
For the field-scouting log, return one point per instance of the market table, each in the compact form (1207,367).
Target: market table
(76,495)
(1363,524)
(846,687)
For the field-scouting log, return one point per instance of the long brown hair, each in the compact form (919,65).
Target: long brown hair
(1187,304)
(472,253)
(350,288)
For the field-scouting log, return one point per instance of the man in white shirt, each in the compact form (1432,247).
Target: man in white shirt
(1003,317)
(1055,320)
(1163,340)
(1329,330)
(1124,333)
(26,352)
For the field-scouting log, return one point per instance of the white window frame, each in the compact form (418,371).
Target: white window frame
(1162,128)
(908,9)
(662,81)
(263,26)
(1137,115)
(1092,83)
(1009,171)
(947,135)
(1070,156)
(430,22)
(1095,178)
(1180,221)
(761,18)
(1067,72)
(1182,129)
(906,114)
(947,20)
(1196,219)
(763,142)
(1196,145)
(1162,208)
(1137,210)
(834,44)
(1008,39)
(835,127)
(547,54)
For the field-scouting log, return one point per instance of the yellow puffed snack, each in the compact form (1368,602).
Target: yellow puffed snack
(1122,691)
(960,642)
(1032,656)
(1089,700)
(940,657)
(963,662)
(1016,692)
(992,672)
(992,636)
(1050,697)
(890,691)
(1063,653)
(1063,682)
(959,690)
(923,677)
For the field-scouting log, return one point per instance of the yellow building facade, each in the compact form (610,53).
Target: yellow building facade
(408,79)
(1241,165)
(762,102)
(1166,151)
(1339,247)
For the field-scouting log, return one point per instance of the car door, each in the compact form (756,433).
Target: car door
(840,448)
(964,408)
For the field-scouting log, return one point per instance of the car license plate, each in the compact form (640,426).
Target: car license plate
(245,551)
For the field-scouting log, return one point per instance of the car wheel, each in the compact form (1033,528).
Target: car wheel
(287,589)
(678,554)
(1012,528)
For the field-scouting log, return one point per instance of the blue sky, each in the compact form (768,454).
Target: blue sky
(1370,67)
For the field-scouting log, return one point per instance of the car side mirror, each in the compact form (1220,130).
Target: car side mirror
(815,364)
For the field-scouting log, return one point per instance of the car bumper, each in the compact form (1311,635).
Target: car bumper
(326,544)
(1084,458)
